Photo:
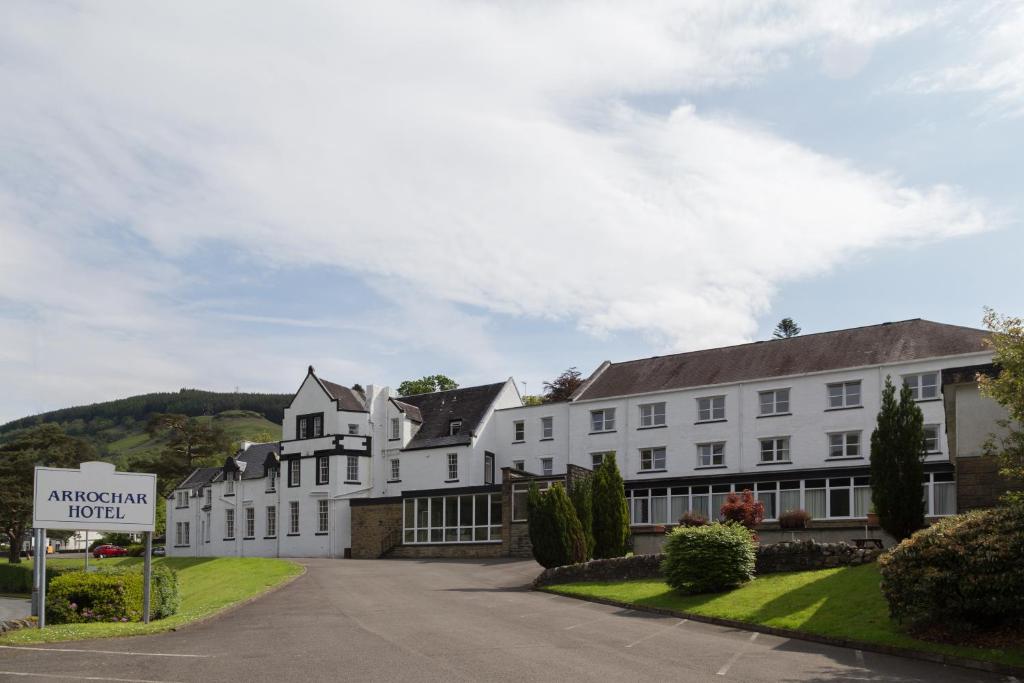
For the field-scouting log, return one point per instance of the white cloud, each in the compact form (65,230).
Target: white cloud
(447,152)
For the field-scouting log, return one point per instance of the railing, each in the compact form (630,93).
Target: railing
(391,539)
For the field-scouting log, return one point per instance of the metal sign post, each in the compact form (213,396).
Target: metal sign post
(147,575)
(35,572)
(87,551)
(41,564)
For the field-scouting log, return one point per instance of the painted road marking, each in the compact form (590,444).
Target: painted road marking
(80,678)
(658,632)
(592,621)
(100,652)
(739,653)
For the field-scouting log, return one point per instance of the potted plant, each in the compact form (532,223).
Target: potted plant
(794,521)
(872,517)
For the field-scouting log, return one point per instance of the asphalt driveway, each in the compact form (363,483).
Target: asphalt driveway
(389,620)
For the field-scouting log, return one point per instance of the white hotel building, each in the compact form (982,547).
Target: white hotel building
(433,474)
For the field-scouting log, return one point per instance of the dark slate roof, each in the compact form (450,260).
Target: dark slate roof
(411,411)
(199,478)
(348,399)
(895,342)
(254,457)
(437,409)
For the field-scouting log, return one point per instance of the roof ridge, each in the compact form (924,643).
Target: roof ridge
(448,391)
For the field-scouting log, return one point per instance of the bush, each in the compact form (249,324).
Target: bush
(555,532)
(708,559)
(164,597)
(583,503)
(77,597)
(691,518)
(136,550)
(743,509)
(794,519)
(17,578)
(961,570)
(611,516)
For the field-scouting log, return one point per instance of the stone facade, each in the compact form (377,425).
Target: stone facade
(979,484)
(374,522)
(449,550)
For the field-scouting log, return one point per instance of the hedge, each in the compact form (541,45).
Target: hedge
(78,597)
(964,570)
(708,559)
(164,597)
(17,578)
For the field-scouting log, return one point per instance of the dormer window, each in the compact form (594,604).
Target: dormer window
(229,484)
(396,429)
(454,427)
(309,426)
(271,479)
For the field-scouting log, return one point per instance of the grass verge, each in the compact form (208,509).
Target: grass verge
(208,585)
(842,603)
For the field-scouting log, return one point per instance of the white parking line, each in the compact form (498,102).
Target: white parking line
(739,653)
(80,678)
(100,652)
(592,621)
(658,632)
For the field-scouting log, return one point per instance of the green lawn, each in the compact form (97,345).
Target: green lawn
(844,603)
(208,585)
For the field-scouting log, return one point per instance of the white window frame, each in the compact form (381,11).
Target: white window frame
(652,414)
(271,521)
(181,533)
(547,427)
(323,470)
(229,484)
(519,464)
(454,427)
(937,438)
(711,408)
(293,518)
(318,426)
(547,466)
(209,495)
(396,429)
(396,469)
(250,521)
(229,524)
(438,528)
(323,516)
(453,467)
(652,459)
(707,459)
(181,499)
(352,469)
(603,455)
(844,444)
(778,449)
(520,493)
(519,431)
(778,402)
(271,480)
(928,491)
(295,472)
(844,394)
(602,420)
(917,386)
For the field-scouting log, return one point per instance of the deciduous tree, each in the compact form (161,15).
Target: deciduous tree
(427,385)
(563,387)
(1006,388)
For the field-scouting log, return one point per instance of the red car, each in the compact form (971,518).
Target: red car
(101,551)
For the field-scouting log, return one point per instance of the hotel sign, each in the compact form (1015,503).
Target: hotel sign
(95,498)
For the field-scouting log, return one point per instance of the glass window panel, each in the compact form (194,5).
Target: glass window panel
(481,505)
(465,534)
(465,511)
(451,535)
(945,498)
(436,512)
(700,504)
(789,499)
(495,509)
(717,501)
(814,500)
(679,506)
(861,501)
(659,510)
(495,533)
(421,535)
(435,534)
(767,499)
(451,511)
(839,502)
(422,519)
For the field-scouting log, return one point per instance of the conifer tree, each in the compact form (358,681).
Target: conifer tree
(897,463)
(583,503)
(611,516)
(555,532)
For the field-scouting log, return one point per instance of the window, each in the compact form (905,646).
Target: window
(547,428)
(206,533)
(652,458)
(396,429)
(602,420)
(520,496)
(209,495)
(452,519)
(839,497)
(710,454)
(293,517)
(229,484)
(318,425)
(789,496)
(181,533)
(711,409)
(396,470)
(597,458)
(352,469)
(309,426)
(453,467)
(547,466)
(488,468)
(767,493)
(775,449)
(814,498)
(353,429)
(323,470)
(271,480)
(844,395)
(294,472)
(229,524)
(322,516)
(271,521)
(454,427)
(844,445)
(774,402)
(939,494)
(181,499)
(250,522)
(652,415)
(519,465)
(931,439)
(519,430)
(861,496)
(301,428)
(923,386)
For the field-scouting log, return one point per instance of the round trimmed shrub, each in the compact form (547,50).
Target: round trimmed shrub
(965,569)
(708,559)
(77,597)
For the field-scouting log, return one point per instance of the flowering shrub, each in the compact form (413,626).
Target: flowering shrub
(708,559)
(794,519)
(691,518)
(964,569)
(743,509)
(77,597)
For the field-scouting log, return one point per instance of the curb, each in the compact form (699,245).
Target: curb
(976,664)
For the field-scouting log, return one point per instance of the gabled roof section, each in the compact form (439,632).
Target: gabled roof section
(908,340)
(346,398)
(439,408)
(254,458)
(199,478)
(411,411)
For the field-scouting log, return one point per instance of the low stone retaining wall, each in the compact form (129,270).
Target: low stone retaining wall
(15,624)
(777,557)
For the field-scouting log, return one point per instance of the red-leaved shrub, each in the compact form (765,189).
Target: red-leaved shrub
(691,518)
(743,509)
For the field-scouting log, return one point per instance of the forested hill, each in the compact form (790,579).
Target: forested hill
(97,417)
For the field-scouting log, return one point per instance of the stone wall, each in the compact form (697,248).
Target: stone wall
(979,484)
(776,557)
(372,523)
(518,540)
(449,550)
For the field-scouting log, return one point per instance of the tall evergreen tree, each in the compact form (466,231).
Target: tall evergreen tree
(897,463)
(583,503)
(786,328)
(555,532)
(611,516)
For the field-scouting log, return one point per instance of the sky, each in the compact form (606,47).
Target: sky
(218,194)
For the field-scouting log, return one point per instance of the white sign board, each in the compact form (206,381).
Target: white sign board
(94,497)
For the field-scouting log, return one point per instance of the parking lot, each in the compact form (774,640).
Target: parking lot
(439,620)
